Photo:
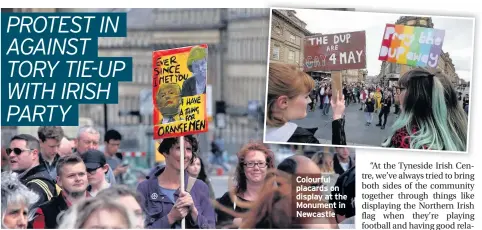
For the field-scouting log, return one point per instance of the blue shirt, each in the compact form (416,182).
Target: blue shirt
(170,194)
(157,205)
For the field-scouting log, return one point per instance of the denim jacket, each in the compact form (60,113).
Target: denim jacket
(156,205)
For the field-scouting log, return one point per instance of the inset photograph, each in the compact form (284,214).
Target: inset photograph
(388,80)
(287,187)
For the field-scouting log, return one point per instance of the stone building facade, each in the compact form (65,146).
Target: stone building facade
(287,34)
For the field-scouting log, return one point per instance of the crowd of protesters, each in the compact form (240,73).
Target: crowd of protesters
(78,187)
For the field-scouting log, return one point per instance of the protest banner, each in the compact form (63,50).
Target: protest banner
(179,91)
(179,95)
(331,52)
(410,45)
(335,52)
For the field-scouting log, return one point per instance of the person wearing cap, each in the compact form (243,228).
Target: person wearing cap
(97,167)
(196,63)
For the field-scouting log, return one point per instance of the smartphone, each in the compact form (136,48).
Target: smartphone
(125,163)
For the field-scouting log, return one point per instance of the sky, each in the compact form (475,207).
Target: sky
(458,39)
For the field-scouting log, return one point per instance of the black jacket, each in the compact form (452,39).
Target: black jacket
(51,211)
(370,105)
(388,102)
(346,184)
(337,167)
(223,219)
(36,179)
(302,135)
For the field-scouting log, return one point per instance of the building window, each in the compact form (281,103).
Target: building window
(275,54)
(277,29)
(292,38)
(291,56)
(397,68)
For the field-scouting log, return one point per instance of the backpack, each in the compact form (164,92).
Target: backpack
(46,189)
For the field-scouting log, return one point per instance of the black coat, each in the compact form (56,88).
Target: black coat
(302,135)
(35,179)
(224,219)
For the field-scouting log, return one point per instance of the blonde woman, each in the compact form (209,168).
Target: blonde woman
(288,96)
(324,160)
(97,213)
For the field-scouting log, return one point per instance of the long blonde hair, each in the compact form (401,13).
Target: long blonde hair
(319,159)
(78,214)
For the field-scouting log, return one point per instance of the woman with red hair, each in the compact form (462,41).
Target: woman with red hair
(254,161)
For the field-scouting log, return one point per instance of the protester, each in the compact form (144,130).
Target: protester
(465,104)
(197,170)
(50,138)
(397,101)
(288,96)
(66,148)
(94,213)
(346,187)
(324,160)
(24,158)
(88,138)
(385,110)
(97,167)
(342,160)
(165,205)
(377,95)
(112,141)
(17,202)
(369,109)
(254,161)
(72,178)
(127,197)
(326,99)
(431,116)
(217,149)
(275,207)
(5,161)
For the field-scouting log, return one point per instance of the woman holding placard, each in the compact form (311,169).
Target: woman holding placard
(431,117)
(288,97)
(164,203)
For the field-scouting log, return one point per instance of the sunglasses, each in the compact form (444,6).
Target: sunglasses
(92,171)
(17,151)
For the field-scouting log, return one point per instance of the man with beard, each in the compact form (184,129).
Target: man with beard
(72,178)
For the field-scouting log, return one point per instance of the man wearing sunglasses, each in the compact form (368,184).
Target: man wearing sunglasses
(23,155)
(97,167)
